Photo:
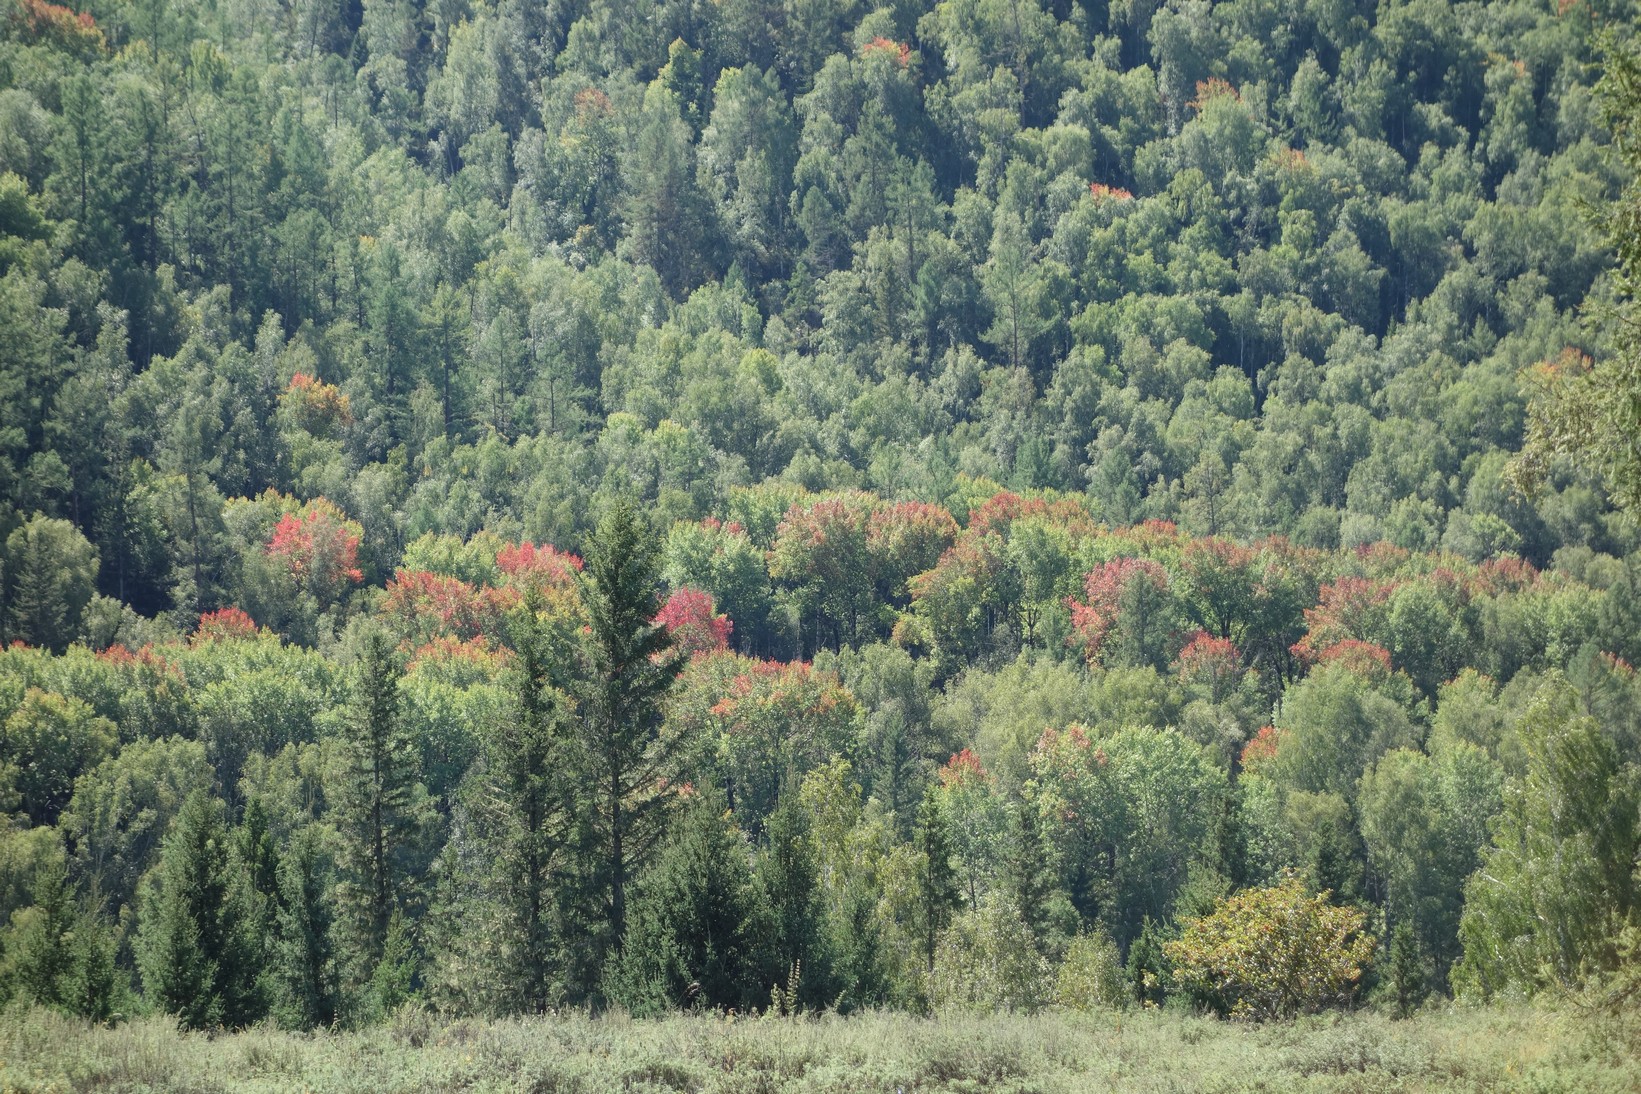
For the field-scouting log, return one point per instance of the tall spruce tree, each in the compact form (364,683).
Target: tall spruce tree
(531,799)
(62,953)
(374,809)
(796,955)
(694,922)
(628,668)
(195,954)
(43,947)
(304,967)
(938,893)
(1028,874)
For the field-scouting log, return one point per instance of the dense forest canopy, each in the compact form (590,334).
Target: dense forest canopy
(759,504)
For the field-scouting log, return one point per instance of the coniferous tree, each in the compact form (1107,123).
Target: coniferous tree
(43,957)
(193,950)
(939,894)
(628,669)
(1028,873)
(63,954)
(259,877)
(376,819)
(304,968)
(796,954)
(692,936)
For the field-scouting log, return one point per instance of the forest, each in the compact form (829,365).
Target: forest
(791,507)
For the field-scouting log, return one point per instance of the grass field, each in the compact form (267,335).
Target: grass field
(1439,1050)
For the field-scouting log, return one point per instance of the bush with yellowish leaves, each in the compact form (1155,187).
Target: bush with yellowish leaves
(1272,953)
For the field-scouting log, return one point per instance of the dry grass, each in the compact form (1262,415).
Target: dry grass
(1441,1050)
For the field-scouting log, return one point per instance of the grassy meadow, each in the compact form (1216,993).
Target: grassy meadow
(1446,1049)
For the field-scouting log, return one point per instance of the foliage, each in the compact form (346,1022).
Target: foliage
(1557,888)
(1272,953)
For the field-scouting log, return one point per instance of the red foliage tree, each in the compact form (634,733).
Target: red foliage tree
(906,539)
(690,618)
(319,548)
(425,605)
(224,624)
(1212,664)
(1108,587)
(73,32)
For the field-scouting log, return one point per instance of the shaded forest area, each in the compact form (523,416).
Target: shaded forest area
(790,506)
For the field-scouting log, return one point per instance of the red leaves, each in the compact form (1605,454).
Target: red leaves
(55,25)
(1261,747)
(318,407)
(1092,621)
(538,567)
(1350,608)
(1102,192)
(1210,663)
(429,604)
(962,769)
(1210,89)
(689,616)
(1362,658)
(224,624)
(900,51)
(319,549)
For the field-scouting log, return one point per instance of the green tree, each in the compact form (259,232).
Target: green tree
(1584,411)
(796,954)
(376,804)
(987,961)
(196,957)
(938,893)
(45,744)
(50,573)
(628,668)
(530,806)
(304,967)
(1559,885)
(693,938)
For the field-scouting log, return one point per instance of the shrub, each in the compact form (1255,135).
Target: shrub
(1271,953)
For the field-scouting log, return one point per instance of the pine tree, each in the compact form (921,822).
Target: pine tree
(304,968)
(693,922)
(938,893)
(44,947)
(531,804)
(628,669)
(259,873)
(788,889)
(375,818)
(1027,873)
(196,959)
(1406,970)
(393,984)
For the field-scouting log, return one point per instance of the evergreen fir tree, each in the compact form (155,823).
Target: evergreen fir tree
(393,984)
(43,950)
(63,955)
(94,989)
(628,669)
(375,817)
(938,893)
(1027,873)
(304,969)
(196,959)
(1406,970)
(259,873)
(793,916)
(1148,967)
(526,766)
(692,938)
